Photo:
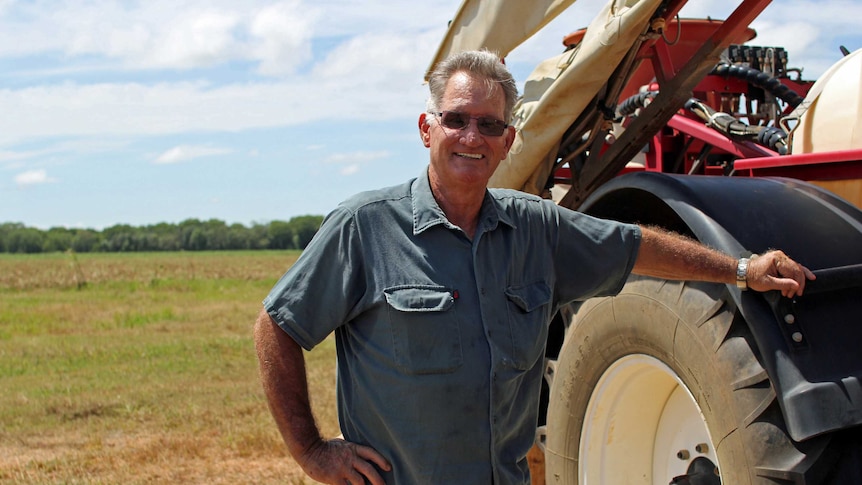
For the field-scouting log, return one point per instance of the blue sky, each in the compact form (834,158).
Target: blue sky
(143,112)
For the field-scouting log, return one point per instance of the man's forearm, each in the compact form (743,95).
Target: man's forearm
(671,256)
(282,372)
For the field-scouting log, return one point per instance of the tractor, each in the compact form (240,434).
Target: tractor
(688,125)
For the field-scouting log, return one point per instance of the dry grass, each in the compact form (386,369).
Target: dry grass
(140,368)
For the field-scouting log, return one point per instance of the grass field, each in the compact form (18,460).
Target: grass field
(140,368)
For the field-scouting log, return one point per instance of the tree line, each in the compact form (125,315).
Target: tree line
(188,235)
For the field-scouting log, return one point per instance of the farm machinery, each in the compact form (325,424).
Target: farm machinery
(687,125)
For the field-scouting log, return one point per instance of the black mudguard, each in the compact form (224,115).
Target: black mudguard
(814,355)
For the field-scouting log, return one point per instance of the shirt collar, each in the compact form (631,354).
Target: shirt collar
(427,213)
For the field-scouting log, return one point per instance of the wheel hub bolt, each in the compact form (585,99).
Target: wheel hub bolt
(683,455)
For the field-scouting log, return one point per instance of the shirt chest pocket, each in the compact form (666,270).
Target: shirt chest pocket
(528,309)
(425,330)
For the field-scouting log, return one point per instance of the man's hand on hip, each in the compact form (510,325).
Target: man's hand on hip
(341,462)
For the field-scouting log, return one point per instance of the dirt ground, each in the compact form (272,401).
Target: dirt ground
(140,459)
(120,461)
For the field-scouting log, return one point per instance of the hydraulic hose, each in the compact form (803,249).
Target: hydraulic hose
(761,80)
(635,102)
(773,138)
(770,137)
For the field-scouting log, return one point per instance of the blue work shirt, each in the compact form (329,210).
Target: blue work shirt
(440,339)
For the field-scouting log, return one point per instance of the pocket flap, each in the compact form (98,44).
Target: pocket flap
(419,298)
(529,297)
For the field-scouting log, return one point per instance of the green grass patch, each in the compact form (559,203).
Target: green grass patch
(140,368)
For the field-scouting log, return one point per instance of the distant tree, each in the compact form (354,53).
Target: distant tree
(186,228)
(25,240)
(164,237)
(58,239)
(239,237)
(216,233)
(280,235)
(85,241)
(120,237)
(197,240)
(259,236)
(6,230)
(304,228)
(190,235)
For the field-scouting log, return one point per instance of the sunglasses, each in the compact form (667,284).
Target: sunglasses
(487,125)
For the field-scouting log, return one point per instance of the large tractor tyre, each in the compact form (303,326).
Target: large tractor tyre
(662,384)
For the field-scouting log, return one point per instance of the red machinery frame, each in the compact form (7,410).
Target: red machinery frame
(677,141)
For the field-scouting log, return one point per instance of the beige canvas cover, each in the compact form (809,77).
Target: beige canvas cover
(560,87)
(497,25)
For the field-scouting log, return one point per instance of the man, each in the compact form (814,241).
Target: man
(440,292)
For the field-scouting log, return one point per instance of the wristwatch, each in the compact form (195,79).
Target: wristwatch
(742,273)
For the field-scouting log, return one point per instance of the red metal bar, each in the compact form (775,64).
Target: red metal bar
(699,131)
(837,165)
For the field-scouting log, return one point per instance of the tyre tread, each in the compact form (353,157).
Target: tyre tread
(753,428)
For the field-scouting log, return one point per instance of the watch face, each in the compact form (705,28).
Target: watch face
(742,273)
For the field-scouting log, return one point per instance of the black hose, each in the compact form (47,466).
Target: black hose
(773,138)
(635,102)
(768,136)
(761,80)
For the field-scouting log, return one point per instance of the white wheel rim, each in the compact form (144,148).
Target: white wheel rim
(642,425)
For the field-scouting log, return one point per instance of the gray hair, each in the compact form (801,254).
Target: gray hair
(483,64)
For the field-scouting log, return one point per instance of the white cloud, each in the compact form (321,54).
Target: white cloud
(199,38)
(32,177)
(58,152)
(282,35)
(356,157)
(136,109)
(184,153)
(350,169)
(160,34)
(363,77)
(351,163)
(374,72)
(372,57)
(12,158)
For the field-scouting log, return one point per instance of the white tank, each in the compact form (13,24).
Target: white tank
(833,120)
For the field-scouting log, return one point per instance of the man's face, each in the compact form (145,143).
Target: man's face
(466,158)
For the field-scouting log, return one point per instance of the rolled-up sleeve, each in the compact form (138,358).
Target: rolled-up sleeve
(593,256)
(321,290)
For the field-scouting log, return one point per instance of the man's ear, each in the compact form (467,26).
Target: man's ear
(425,130)
(510,137)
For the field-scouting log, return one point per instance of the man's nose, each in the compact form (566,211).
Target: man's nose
(470,134)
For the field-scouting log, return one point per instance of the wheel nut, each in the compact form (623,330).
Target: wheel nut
(683,455)
(702,448)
